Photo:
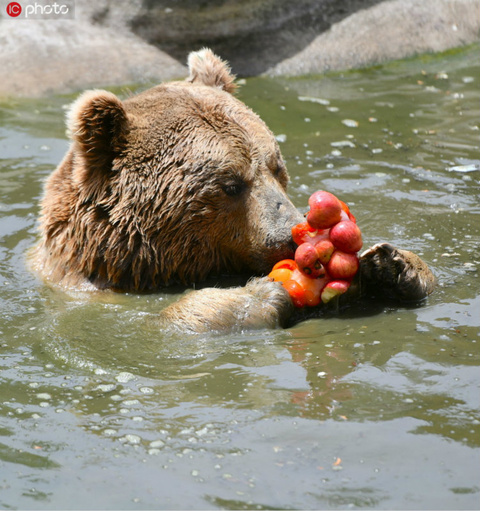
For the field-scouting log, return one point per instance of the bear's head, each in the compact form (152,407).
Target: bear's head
(174,184)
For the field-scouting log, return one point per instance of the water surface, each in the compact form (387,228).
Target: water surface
(376,408)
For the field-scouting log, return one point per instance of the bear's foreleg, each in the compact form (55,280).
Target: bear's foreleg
(262,303)
(385,271)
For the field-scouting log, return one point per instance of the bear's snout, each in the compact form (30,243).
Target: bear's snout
(283,248)
(281,216)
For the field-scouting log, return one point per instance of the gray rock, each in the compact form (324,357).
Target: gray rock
(253,35)
(44,56)
(391,30)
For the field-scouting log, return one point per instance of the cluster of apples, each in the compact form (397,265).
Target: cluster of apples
(326,258)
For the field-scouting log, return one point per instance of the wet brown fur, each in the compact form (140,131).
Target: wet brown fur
(147,193)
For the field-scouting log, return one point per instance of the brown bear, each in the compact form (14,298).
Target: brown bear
(178,183)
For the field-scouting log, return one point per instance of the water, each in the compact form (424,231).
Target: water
(377,409)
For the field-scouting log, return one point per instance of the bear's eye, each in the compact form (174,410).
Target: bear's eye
(234,189)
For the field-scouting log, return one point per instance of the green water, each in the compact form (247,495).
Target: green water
(376,409)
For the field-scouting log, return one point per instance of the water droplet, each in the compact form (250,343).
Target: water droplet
(320,101)
(342,143)
(133,439)
(131,402)
(201,432)
(107,387)
(350,123)
(124,377)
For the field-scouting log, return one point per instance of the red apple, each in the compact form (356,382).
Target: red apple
(325,210)
(324,250)
(334,288)
(308,262)
(346,236)
(342,265)
(318,235)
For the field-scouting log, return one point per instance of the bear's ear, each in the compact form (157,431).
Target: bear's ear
(208,69)
(98,124)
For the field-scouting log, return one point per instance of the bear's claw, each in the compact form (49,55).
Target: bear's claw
(395,273)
